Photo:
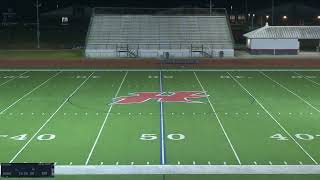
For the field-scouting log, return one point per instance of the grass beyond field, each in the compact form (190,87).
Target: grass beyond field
(41,54)
(153,118)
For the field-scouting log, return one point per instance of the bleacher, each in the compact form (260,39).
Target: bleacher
(159,36)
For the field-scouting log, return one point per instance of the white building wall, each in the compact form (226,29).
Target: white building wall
(273,44)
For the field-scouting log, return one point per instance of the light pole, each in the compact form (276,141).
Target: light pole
(246,6)
(253,15)
(38,25)
(272,13)
(210,8)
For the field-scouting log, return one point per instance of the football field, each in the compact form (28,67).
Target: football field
(152,117)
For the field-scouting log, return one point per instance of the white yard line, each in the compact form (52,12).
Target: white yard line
(274,119)
(307,78)
(50,118)
(14,103)
(291,92)
(13,79)
(104,122)
(214,111)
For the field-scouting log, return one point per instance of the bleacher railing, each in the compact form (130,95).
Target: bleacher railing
(160,11)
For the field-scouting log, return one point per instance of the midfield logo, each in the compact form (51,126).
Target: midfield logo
(180,96)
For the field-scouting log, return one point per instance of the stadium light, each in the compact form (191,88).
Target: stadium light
(285,17)
(318,17)
(267,17)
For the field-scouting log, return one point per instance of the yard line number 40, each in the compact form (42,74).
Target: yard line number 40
(42,137)
(306,137)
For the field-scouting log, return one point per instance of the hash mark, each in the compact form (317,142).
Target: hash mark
(4,136)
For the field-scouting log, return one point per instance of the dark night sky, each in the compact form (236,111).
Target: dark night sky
(26,6)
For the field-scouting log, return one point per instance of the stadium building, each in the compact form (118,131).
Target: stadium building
(279,40)
(177,33)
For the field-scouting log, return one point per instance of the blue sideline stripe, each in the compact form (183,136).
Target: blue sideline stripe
(162,143)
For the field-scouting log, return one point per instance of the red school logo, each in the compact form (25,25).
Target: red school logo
(180,96)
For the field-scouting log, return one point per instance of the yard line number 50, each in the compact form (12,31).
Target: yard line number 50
(151,137)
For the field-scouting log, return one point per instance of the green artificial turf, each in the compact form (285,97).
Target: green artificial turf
(41,54)
(248,118)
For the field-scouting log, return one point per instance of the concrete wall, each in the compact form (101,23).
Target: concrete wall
(173,53)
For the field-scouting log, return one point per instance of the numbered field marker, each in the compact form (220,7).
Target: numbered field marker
(148,137)
(300,136)
(307,137)
(21,137)
(24,137)
(46,137)
(151,137)
(279,137)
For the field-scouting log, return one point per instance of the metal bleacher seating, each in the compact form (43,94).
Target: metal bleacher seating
(153,35)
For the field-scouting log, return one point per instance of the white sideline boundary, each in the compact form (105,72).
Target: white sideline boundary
(163,70)
(185,169)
